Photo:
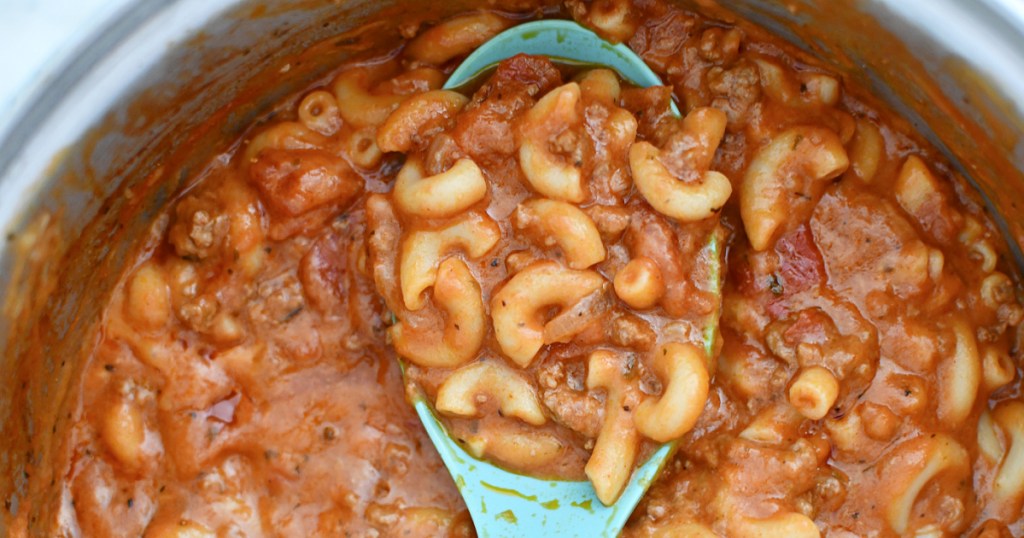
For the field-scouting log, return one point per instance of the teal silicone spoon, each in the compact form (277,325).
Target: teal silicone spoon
(503,503)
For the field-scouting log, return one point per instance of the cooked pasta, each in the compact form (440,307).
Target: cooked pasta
(534,249)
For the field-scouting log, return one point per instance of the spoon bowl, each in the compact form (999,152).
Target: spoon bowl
(503,503)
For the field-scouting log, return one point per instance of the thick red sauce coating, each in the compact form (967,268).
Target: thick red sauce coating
(242,382)
(628,227)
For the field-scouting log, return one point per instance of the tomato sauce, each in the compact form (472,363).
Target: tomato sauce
(243,380)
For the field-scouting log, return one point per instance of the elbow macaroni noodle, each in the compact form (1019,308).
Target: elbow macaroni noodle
(530,448)
(610,18)
(356,104)
(813,392)
(640,283)
(565,225)
(416,116)
(422,252)
(959,377)
(517,308)
(611,462)
(684,371)
(813,89)
(913,466)
(457,293)
(809,155)
(443,195)
(866,150)
(1001,442)
(1008,486)
(515,396)
(319,111)
(556,176)
(602,84)
(675,198)
(455,37)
